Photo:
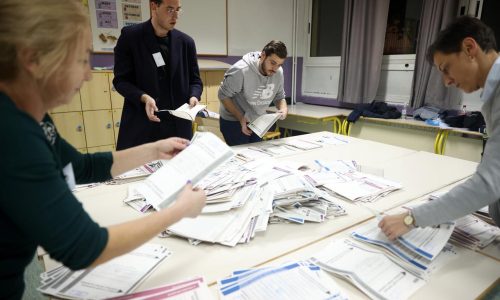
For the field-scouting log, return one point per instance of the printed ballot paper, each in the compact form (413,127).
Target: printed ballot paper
(203,155)
(184,111)
(262,124)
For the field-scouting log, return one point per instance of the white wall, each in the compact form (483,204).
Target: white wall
(252,24)
(473,100)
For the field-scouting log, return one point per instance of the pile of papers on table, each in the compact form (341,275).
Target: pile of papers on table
(421,251)
(116,277)
(194,288)
(296,280)
(342,179)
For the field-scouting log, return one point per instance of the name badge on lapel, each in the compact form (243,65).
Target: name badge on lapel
(69,176)
(158,59)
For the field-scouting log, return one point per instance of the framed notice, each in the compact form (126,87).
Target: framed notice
(108,17)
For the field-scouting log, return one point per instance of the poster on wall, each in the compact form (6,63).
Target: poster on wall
(108,17)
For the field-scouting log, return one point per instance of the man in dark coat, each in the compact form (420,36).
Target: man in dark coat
(156,68)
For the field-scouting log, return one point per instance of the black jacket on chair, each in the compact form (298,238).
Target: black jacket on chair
(376,109)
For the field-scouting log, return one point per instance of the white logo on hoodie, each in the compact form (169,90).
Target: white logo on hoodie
(264,93)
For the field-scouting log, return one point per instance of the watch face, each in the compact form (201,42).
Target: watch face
(408,220)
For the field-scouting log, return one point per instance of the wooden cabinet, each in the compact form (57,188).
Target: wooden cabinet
(74,105)
(71,127)
(101,149)
(95,94)
(212,74)
(211,82)
(99,128)
(90,122)
(116,98)
(117,114)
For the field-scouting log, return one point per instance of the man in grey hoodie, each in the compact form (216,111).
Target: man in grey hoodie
(249,86)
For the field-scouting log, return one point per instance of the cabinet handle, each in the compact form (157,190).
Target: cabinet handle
(117,124)
(108,126)
(79,128)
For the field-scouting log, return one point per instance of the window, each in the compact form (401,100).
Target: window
(326,28)
(402,27)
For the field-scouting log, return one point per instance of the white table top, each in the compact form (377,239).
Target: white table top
(419,172)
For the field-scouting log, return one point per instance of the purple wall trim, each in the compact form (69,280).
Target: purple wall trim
(102,60)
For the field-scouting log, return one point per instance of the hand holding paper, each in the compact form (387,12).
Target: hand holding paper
(262,124)
(184,111)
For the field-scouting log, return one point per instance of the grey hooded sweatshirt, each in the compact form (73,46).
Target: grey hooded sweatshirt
(250,91)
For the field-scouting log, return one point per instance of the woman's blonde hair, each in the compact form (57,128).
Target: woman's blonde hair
(52,28)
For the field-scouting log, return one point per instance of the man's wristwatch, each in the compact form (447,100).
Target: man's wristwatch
(409,220)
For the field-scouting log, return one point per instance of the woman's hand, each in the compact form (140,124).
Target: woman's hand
(190,201)
(168,148)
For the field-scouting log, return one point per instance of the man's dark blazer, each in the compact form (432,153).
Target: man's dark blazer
(136,73)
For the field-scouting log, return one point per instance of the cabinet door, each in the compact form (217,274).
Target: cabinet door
(74,105)
(99,128)
(95,93)
(116,98)
(213,106)
(117,115)
(70,127)
(203,99)
(213,80)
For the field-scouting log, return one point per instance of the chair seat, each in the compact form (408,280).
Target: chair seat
(271,135)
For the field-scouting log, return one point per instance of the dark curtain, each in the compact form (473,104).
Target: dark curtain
(428,87)
(363,40)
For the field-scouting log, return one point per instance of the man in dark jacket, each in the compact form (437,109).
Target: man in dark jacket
(156,68)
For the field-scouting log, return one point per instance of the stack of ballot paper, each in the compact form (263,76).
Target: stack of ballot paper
(484,215)
(136,200)
(296,280)
(326,138)
(246,196)
(223,184)
(296,200)
(421,251)
(236,207)
(140,172)
(372,271)
(116,277)
(194,288)
(474,233)
(341,180)
(279,148)
(226,228)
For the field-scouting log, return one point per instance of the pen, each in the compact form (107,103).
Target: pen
(378,215)
(321,165)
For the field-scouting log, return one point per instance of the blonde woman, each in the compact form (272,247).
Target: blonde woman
(44,59)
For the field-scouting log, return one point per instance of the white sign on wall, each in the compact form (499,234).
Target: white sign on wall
(108,17)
